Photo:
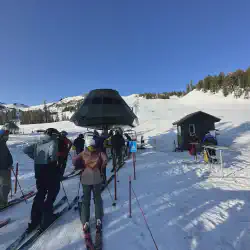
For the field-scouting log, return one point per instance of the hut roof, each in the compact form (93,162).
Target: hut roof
(182,120)
(11,125)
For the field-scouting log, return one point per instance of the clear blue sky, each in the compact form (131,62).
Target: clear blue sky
(51,49)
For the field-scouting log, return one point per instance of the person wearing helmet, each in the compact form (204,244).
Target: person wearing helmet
(6,162)
(118,143)
(92,162)
(63,151)
(79,143)
(44,154)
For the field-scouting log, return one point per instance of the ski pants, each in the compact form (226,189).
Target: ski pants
(117,157)
(62,163)
(85,210)
(47,184)
(5,185)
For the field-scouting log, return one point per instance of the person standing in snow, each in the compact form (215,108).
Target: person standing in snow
(79,143)
(101,147)
(210,140)
(118,143)
(6,162)
(92,162)
(63,151)
(127,146)
(47,174)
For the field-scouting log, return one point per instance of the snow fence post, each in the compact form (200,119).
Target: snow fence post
(130,209)
(11,193)
(134,164)
(16,177)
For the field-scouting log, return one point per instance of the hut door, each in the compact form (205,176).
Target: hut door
(179,137)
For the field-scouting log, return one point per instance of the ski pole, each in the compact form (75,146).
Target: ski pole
(19,184)
(113,202)
(65,193)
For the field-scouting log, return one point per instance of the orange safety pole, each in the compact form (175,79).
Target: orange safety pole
(130,209)
(115,180)
(134,164)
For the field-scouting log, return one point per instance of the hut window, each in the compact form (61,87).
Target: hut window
(191,129)
(107,100)
(97,100)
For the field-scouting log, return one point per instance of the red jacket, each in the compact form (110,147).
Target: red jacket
(64,147)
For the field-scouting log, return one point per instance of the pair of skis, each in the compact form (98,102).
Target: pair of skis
(18,200)
(98,239)
(17,244)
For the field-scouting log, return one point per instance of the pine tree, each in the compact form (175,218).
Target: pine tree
(225,90)
(45,108)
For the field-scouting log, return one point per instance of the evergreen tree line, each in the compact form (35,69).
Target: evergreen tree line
(237,82)
(164,95)
(31,117)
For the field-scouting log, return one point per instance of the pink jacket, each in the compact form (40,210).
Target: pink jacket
(92,163)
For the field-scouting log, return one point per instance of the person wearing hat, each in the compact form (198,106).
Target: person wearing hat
(92,161)
(79,143)
(118,144)
(63,151)
(44,154)
(6,162)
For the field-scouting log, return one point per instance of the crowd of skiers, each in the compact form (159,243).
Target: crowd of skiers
(50,155)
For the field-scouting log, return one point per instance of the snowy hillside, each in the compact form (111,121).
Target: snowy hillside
(187,205)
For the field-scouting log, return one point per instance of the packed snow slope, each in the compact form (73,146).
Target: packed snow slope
(188,206)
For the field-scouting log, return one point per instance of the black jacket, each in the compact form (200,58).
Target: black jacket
(117,141)
(6,160)
(79,143)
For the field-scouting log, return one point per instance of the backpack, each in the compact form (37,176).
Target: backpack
(93,163)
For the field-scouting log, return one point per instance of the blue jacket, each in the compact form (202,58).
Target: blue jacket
(209,139)
(44,152)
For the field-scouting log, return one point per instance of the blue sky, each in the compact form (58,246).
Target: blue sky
(51,49)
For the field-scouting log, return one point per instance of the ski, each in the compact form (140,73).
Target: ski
(18,241)
(98,238)
(18,200)
(72,175)
(26,233)
(40,231)
(4,222)
(88,240)
(60,203)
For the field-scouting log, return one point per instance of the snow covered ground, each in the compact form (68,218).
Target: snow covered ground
(187,204)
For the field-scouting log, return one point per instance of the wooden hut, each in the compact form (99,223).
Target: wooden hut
(12,127)
(198,123)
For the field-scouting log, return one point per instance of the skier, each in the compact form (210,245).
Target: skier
(107,144)
(101,147)
(44,154)
(6,162)
(79,144)
(92,161)
(63,151)
(127,146)
(210,140)
(118,143)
